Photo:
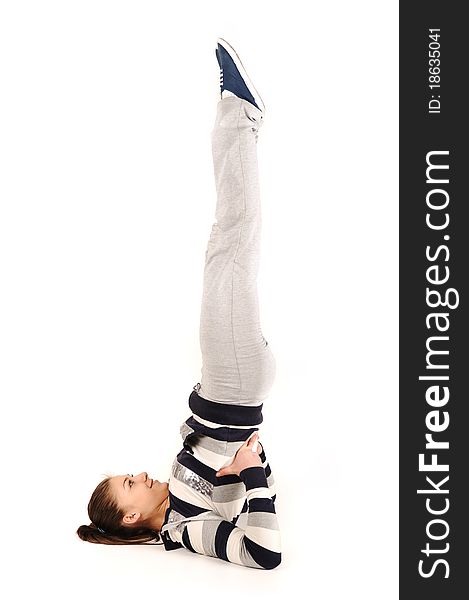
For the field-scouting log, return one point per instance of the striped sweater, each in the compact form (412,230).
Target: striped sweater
(229,517)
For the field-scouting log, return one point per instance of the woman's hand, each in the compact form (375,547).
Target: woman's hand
(247,456)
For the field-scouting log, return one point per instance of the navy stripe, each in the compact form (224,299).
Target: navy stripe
(189,461)
(263,557)
(225,414)
(183,508)
(221,539)
(243,510)
(186,541)
(268,470)
(168,542)
(262,505)
(222,434)
(253,477)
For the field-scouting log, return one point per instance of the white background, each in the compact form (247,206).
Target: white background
(107,200)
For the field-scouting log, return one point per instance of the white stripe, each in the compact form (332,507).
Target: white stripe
(233,546)
(261,492)
(194,529)
(267,538)
(229,510)
(212,459)
(216,425)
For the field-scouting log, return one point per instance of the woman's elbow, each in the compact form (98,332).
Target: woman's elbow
(272,563)
(266,559)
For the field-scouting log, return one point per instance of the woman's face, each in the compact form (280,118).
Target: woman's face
(140,495)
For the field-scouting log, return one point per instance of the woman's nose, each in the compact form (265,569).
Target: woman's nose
(143,476)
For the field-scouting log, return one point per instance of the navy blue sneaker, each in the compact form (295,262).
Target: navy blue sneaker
(234,80)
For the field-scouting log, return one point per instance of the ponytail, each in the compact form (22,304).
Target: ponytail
(123,536)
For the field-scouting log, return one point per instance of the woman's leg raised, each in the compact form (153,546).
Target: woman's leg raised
(238,366)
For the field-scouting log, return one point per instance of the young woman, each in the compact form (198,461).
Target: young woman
(220,499)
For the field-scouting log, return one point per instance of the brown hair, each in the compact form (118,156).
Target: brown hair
(106,521)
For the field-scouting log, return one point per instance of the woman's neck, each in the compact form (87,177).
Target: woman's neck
(157,520)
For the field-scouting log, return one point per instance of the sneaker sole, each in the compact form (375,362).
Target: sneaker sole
(239,65)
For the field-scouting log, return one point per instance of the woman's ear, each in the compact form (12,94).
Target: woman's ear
(131,518)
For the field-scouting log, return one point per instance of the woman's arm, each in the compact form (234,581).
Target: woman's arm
(268,471)
(241,519)
(258,545)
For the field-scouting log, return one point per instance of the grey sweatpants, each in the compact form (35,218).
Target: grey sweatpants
(238,366)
